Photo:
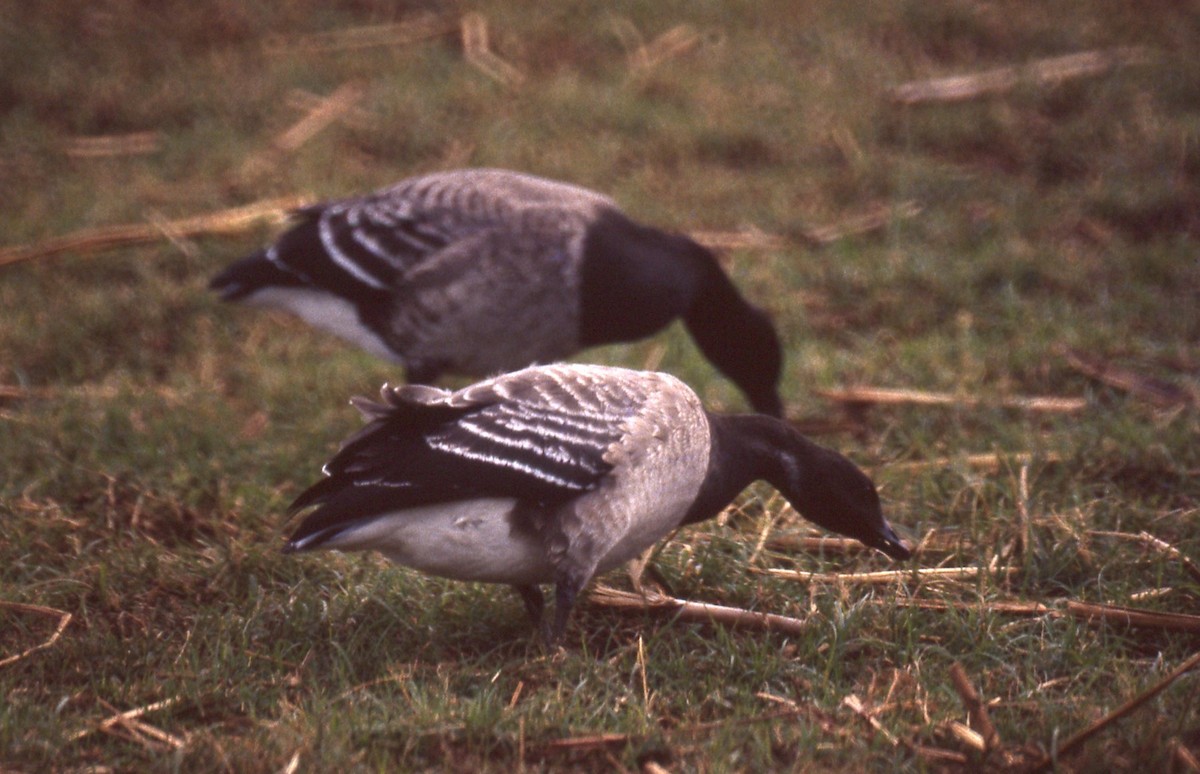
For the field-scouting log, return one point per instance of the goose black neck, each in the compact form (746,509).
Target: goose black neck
(745,448)
(738,338)
(635,279)
(824,486)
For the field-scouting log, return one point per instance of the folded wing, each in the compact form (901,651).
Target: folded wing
(533,440)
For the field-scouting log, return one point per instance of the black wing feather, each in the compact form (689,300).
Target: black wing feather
(422,454)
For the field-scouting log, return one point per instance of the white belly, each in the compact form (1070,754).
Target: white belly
(327,312)
(471,540)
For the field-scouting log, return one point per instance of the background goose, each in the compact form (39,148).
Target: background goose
(478,271)
(555,473)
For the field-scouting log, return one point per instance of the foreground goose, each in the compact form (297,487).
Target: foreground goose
(478,271)
(555,473)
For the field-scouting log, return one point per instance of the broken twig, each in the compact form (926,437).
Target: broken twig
(122,717)
(323,112)
(673,43)
(1133,617)
(1160,393)
(747,239)
(306,102)
(697,611)
(886,576)
(977,713)
(1088,612)
(1184,759)
(885,395)
(856,706)
(480,55)
(64,619)
(873,220)
(419,28)
(1189,566)
(220,223)
(1078,738)
(1043,72)
(967,735)
(133,144)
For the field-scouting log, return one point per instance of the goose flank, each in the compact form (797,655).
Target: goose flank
(553,474)
(479,271)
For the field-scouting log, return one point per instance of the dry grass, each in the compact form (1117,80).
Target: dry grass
(1015,276)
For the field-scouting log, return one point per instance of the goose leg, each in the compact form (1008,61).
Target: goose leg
(565,593)
(534,603)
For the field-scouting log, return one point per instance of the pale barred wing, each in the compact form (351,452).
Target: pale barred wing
(542,435)
(495,301)
(376,240)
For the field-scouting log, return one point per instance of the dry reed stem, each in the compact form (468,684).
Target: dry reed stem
(480,55)
(121,717)
(1088,612)
(414,30)
(1189,566)
(293,764)
(673,43)
(840,545)
(697,611)
(1042,72)
(1156,391)
(1078,738)
(1183,757)
(604,741)
(587,742)
(977,714)
(874,220)
(765,696)
(967,735)
(886,576)
(893,396)
(1024,520)
(856,706)
(305,102)
(143,733)
(747,239)
(220,223)
(157,734)
(1133,617)
(103,146)
(1138,596)
(989,461)
(64,619)
(324,112)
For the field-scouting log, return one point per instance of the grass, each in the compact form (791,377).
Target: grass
(161,434)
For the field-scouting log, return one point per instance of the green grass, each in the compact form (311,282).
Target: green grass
(146,470)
